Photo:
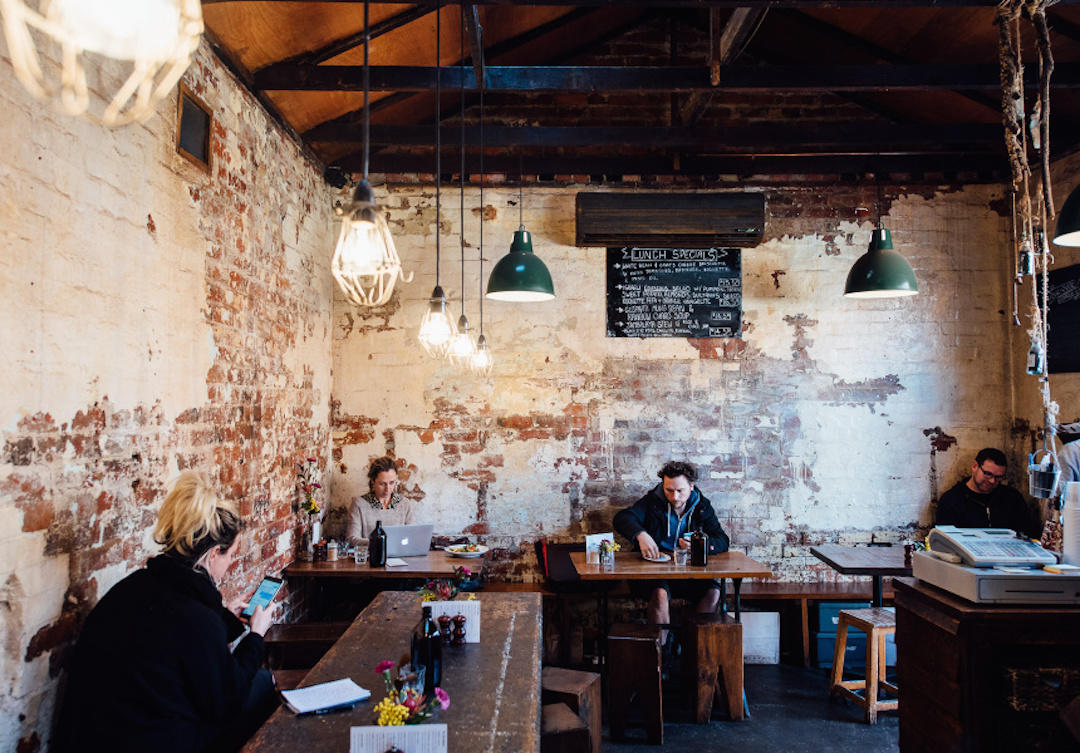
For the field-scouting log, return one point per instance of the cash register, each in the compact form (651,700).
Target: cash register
(993,565)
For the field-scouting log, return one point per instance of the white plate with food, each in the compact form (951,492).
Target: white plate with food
(466,550)
(662,557)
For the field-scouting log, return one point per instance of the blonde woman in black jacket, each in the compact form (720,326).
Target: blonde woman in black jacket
(152,670)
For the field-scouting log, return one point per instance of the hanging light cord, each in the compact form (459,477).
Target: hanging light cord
(438,136)
(461,44)
(481,83)
(521,190)
(367,86)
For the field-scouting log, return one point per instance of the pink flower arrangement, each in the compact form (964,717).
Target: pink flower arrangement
(405,706)
(441,589)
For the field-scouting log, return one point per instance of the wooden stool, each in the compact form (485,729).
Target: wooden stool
(714,650)
(634,655)
(300,645)
(581,692)
(562,731)
(876,623)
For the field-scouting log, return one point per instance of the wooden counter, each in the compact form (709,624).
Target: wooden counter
(981,678)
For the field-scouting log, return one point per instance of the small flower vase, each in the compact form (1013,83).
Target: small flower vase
(607,558)
(316,531)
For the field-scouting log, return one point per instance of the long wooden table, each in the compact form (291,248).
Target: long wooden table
(494,685)
(876,561)
(435,564)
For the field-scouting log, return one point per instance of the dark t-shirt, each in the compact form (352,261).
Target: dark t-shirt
(1004,507)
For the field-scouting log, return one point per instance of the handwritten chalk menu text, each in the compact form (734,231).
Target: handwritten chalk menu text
(674,292)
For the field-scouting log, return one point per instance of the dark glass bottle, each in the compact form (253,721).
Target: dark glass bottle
(699,547)
(426,651)
(377,546)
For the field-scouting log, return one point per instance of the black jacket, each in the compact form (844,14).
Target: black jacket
(1004,507)
(650,514)
(152,669)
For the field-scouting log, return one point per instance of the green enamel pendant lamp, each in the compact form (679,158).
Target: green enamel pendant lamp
(880,272)
(520,276)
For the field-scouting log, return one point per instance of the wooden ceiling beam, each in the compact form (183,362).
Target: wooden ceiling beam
(474,32)
(707,165)
(338,46)
(760,78)
(854,137)
(841,39)
(726,42)
(699,4)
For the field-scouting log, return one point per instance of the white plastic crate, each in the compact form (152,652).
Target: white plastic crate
(761,637)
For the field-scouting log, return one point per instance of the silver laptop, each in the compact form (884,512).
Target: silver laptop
(408,541)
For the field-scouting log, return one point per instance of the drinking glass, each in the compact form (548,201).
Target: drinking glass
(681,556)
(360,554)
(411,678)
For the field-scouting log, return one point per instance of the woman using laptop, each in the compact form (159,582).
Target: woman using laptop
(382,502)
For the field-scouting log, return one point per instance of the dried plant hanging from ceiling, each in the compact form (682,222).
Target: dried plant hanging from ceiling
(51,46)
(1033,203)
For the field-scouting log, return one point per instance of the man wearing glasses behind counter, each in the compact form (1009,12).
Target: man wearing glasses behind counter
(982,501)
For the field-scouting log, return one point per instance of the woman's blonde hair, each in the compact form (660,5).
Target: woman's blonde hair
(193,518)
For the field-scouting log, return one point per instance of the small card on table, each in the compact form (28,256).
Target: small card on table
(412,738)
(470,610)
(592,546)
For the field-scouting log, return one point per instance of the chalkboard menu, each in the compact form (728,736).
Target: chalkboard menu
(1064,320)
(674,292)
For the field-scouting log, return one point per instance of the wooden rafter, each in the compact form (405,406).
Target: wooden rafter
(764,78)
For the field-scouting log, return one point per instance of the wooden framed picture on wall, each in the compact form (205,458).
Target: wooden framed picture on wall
(194,128)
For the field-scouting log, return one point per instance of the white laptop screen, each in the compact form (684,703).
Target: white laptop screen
(408,541)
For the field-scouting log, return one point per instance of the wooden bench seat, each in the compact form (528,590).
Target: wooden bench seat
(299,645)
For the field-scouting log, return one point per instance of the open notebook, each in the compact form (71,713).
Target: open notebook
(326,696)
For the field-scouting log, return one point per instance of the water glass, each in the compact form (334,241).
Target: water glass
(360,554)
(411,678)
(681,555)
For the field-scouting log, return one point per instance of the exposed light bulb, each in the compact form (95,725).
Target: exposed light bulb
(481,360)
(461,347)
(436,328)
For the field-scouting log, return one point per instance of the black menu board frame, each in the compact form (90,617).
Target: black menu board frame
(674,292)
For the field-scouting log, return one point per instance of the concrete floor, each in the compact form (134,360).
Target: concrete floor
(790,712)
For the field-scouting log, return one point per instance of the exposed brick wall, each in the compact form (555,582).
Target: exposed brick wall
(156,318)
(812,427)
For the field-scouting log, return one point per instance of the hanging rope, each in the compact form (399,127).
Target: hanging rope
(1033,203)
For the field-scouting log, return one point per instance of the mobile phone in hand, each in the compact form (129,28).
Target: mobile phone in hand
(265,593)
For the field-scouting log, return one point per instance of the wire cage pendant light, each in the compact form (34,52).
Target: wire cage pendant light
(366,263)
(437,327)
(156,37)
(881,272)
(520,276)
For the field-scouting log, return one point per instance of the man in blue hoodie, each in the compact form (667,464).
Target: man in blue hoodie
(659,522)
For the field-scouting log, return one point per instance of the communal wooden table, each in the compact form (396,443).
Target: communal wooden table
(631,566)
(435,564)
(875,561)
(494,685)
